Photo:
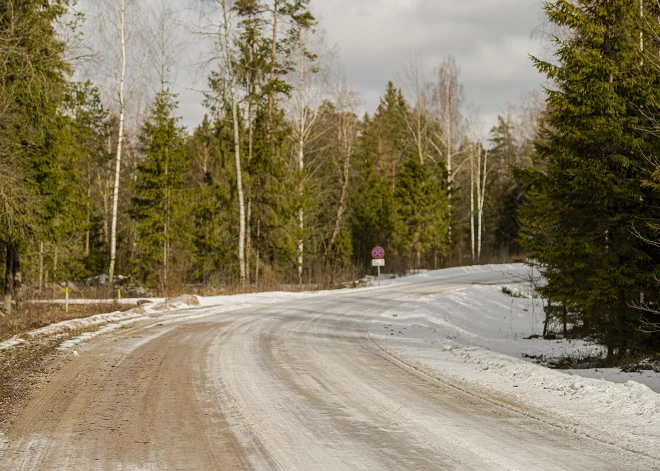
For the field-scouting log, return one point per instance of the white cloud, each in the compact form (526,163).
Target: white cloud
(491,40)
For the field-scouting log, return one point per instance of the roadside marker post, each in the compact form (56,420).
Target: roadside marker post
(378,256)
(66,297)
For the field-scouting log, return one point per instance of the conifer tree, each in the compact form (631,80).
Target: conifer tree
(582,214)
(33,79)
(159,204)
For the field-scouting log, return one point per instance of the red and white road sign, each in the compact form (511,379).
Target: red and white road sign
(378,253)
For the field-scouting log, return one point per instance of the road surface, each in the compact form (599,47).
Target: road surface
(297,385)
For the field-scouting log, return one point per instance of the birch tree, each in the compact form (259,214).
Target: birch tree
(347,126)
(223,36)
(418,121)
(449,97)
(481,179)
(130,50)
(309,88)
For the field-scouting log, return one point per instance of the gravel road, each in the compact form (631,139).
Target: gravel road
(292,386)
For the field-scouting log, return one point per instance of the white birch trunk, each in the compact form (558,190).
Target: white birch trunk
(301,156)
(237,143)
(472,204)
(345,136)
(122,106)
(482,200)
(449,156)
(41,266)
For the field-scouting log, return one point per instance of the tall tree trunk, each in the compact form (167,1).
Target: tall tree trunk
(623,330)
(89,202)
(41,265)
(9,279)
(55,255)
(256,262)
(248,239)
(166,227)
(248,222)
(481,195)
(122,106)
(450,177)
(472,215)
(301,159)
(237,145)
(301,212)
(345,138)
(17,275)
(342,206)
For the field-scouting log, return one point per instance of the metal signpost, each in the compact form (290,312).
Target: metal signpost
(378,255)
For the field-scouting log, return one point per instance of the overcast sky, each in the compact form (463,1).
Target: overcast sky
(490,39)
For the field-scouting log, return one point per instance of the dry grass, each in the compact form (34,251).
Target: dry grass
(35,315)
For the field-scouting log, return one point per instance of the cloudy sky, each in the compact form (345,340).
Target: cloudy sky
(490,39)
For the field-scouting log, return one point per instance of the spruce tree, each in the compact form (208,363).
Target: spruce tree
(583,214)
(33,83)
(159,206)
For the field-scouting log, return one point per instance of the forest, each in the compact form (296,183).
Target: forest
(287,182)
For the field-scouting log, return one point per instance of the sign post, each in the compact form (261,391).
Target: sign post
(378,255)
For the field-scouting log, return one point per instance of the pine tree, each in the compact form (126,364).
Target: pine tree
(582,216)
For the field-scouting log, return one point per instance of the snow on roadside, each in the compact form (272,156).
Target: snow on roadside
(12,342)
(107,320)
(156,308)
(72,342)
(477,336)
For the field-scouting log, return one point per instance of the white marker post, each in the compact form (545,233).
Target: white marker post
(378,263)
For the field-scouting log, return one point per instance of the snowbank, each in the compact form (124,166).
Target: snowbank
(476,338)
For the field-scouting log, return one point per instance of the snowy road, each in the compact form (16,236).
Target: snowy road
(297,385)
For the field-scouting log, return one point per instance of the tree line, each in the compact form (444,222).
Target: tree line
(283,181)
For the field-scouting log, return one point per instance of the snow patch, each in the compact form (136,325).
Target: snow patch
(12,342)
(72,342)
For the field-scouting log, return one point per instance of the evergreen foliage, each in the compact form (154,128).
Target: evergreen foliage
(160,205)
(583,214)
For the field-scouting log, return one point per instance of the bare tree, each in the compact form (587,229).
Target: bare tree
(347,104)
(478,159)
(129,50)
(166,44)
(310,80)
(449,97)
(418,121)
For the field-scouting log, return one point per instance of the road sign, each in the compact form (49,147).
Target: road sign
(378,262)
(378,253)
